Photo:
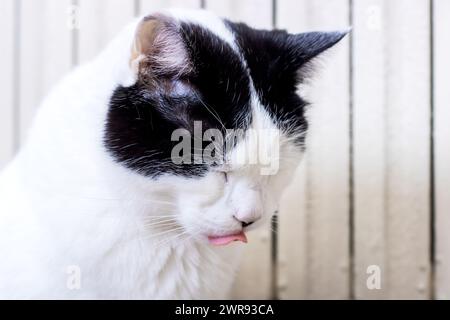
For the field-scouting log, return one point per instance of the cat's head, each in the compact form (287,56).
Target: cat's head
(214,113)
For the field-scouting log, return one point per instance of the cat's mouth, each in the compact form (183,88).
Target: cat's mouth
(226,239)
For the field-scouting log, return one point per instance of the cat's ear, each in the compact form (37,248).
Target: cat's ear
(299,50)
(158,48)
(309,45)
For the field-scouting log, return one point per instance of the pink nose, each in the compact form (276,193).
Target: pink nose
(248,204)
(245,223)
(248,217)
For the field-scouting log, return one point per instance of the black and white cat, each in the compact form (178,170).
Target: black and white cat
(94,205)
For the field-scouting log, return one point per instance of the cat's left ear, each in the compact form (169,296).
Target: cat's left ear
(290,55)
(307,46)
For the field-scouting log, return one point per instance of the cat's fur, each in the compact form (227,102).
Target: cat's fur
(88,191)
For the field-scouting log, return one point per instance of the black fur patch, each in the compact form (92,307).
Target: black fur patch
(142,117)
(275,72)
(277,61)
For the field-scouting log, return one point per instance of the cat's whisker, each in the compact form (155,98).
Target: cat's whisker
(152,236)
(215,115)
(165,219)
(151,220)
(168,215)
(172,239)
(115,199)
(158,219)
(168,240)
(161,224)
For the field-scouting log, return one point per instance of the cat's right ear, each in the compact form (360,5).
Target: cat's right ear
(158,49)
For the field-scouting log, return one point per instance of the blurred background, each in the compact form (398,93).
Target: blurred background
(368,215)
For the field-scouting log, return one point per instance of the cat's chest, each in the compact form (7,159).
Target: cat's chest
(150,271)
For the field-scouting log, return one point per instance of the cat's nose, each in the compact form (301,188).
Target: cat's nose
(248,204)
(246,224)
(247,219)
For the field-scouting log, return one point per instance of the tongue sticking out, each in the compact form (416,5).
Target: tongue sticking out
(224,240)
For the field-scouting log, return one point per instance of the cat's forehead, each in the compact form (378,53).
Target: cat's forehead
(206,20)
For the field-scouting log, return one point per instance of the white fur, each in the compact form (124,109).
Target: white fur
(65,202)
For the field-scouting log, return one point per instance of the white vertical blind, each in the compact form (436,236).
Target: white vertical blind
(441,52)
(392,146)
(149,6)
(7,121)
(325,175)
(45,53)
(99,22)
(408,148)
(369,143)
(257,13)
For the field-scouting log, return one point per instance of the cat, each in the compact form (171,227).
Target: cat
(96,205)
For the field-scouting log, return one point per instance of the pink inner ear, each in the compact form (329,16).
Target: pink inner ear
(160,47)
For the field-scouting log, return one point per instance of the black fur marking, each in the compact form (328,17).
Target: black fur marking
(276,61)
(141,118)
(216,91)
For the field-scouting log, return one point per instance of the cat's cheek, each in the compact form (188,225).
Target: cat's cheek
(203,221)
(192,219)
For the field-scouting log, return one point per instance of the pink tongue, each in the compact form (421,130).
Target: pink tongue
(224,240)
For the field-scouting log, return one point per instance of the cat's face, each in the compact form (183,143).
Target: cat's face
(216,114)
